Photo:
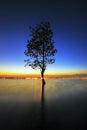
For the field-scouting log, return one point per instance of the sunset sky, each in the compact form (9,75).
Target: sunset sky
(68,20)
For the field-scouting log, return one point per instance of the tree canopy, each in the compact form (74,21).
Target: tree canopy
(40,47)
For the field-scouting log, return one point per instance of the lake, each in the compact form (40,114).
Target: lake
(27,104)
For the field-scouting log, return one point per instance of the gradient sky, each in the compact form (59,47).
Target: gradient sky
(68,20)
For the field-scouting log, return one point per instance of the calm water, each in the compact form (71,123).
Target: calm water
(25,104)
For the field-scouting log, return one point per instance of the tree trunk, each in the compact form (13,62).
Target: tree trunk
(42,77)
(42,74)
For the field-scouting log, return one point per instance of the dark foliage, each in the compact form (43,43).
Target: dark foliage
(40,48)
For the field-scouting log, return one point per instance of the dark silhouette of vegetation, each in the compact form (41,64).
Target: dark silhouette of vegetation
(40,48)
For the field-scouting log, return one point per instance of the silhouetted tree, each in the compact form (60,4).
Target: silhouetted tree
(40,48)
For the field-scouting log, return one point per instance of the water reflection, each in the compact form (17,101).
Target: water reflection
(42,124)
(43,83)
(34,104)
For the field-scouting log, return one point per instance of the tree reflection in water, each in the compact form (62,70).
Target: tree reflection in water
(42,119)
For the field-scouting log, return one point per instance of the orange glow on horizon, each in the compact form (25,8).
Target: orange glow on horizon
(19,72)
(38,75)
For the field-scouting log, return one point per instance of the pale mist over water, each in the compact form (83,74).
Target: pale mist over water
(61,104)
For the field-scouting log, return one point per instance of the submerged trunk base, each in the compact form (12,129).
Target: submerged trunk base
(42,77)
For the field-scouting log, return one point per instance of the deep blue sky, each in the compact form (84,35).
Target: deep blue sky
(68,20)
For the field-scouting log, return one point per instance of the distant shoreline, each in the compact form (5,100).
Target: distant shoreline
(76,76)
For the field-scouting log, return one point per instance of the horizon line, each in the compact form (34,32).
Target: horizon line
(38,75)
